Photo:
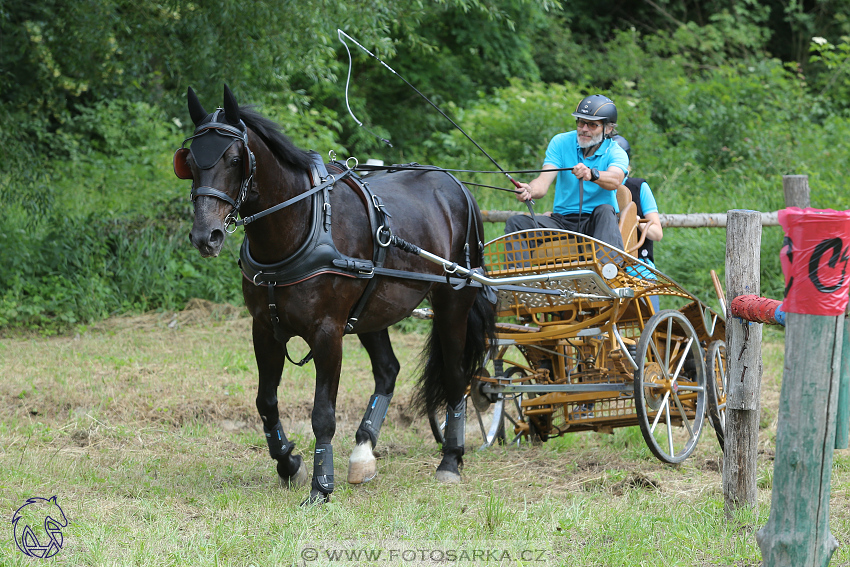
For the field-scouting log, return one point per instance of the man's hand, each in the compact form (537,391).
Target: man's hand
(581,171)
(523,192)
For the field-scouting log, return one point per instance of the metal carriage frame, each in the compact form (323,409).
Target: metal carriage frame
(579,347)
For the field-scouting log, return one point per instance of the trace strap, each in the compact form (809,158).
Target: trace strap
(327,183)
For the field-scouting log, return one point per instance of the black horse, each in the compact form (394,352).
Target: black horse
(326,253)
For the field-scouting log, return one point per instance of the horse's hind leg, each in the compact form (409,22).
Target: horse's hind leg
(270,359)
(456,347)
(362,466)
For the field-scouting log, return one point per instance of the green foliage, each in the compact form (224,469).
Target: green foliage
(834,60)
(25,181)
(82,270)
(718,99)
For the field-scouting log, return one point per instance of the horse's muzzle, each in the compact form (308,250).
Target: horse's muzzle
(208,242)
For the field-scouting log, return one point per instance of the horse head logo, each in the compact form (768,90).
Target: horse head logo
(38,527)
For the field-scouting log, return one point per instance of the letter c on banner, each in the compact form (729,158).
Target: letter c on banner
(833,244)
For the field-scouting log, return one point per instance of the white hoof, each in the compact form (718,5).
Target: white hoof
(447,477)
(299,479)
(362,466)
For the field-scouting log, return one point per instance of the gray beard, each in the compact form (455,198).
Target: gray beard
(594,141)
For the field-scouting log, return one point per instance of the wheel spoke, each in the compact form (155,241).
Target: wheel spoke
(658,415)
(657,356)
(684,415)
(481,424)
(667,342)
(682,360)
(672,452)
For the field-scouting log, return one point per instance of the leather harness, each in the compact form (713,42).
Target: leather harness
(319,255)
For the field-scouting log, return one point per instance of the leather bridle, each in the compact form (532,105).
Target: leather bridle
(182,170)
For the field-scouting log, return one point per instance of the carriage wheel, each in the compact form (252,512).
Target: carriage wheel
(483,413)
(491,418)
(516,427)
(715,369)
(669,387)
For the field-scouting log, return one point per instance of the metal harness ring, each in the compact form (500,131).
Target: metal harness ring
(230,225)
(386,230)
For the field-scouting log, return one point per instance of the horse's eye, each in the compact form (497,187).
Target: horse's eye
(235,161)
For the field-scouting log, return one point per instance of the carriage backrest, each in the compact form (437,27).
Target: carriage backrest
(628,218)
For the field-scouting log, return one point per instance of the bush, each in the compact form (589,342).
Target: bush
(87,269)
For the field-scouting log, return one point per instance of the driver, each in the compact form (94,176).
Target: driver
(596,160)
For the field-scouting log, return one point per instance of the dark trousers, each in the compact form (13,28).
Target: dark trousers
(601,224)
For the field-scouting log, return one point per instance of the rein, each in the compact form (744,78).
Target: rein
(327,183)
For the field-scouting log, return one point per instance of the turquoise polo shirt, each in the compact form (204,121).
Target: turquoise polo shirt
(563,151)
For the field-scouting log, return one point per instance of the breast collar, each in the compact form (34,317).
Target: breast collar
(318,254)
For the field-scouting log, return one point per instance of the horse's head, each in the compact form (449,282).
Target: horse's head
(221,167)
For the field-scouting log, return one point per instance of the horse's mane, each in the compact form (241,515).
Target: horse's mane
(278,142)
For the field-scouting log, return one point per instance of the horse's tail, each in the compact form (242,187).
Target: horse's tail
(480,334)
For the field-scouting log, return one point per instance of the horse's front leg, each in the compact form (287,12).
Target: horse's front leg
(269,352)
(362,466)
(327,346)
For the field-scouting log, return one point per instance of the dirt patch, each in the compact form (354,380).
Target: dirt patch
(635,480)
(196,312)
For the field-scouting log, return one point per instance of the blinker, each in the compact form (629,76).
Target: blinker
(208,148)
(181,168)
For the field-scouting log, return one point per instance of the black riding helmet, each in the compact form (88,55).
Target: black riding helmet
(597,107)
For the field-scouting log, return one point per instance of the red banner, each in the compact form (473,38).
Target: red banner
(815,260)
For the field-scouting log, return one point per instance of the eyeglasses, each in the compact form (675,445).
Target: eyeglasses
(591,124)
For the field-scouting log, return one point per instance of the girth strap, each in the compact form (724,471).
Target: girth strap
(380,217)
(278,333)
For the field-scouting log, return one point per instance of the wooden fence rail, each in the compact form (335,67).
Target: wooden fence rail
(690,220)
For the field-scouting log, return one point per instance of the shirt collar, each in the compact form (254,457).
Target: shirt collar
(599,151)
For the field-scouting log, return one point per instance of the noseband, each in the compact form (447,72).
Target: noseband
(222,129)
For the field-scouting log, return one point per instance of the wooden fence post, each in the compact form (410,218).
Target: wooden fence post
(842,416)
(743,348)
(796,188)
(797,532)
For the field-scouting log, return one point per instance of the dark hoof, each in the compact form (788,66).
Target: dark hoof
(316,498)
(299,479)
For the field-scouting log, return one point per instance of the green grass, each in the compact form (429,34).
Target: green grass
(148,436)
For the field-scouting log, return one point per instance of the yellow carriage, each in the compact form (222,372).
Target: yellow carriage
(579,346)
(584,349)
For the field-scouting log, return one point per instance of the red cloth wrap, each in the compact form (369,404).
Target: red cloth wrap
(815,260)
(755,308)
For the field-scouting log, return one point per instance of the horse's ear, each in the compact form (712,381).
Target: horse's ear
(196,111)
(231,107)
